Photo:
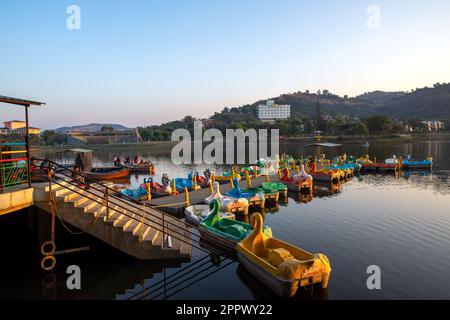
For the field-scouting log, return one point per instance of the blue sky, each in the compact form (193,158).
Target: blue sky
(141,62)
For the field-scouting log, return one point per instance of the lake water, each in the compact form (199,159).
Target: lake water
(401,224)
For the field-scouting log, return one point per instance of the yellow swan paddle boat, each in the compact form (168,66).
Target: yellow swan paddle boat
(278,265)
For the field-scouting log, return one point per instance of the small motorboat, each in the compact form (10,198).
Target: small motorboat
(228,204)
(107,173)
(144,167)
(197,213)
(280,266)
(214,228)
(254,198)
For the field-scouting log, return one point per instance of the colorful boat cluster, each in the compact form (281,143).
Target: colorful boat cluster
(282,267)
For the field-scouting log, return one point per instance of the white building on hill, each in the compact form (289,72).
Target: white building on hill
(271,112)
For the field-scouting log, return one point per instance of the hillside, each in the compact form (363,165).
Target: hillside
(92,127)
(424,104)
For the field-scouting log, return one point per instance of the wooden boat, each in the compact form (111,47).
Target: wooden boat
(107,173)
(280,266)
(214,228)
(197,213)
(228,204)
(144,167)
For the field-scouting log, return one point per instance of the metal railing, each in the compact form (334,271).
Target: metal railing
(144,214)
(13,164)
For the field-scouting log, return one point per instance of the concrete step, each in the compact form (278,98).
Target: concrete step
(152,236)
(67,196)
(94,210)
(86,206)
(58,185)
(115,215)
(80,200)
(131,225)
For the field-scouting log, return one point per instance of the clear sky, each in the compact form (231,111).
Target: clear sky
(139,62)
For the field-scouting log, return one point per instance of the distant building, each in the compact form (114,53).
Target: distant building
(18,127)
(271,112)
(327,117)
(434,125)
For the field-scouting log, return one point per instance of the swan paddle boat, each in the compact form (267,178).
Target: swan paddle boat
(203,181)
(280,266)
(197,213)
(182,183)
(159,190)
(332,176)
(137,194)
(228,204)
(299,182)
(226,232)
(409,164)
(228,175)
(254,199)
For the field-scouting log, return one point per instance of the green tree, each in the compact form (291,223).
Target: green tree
(379,124)
(359,128)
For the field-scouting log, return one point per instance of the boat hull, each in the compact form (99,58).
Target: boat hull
(282,287)
(149,169)
(108,174)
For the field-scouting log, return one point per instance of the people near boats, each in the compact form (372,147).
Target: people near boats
(137,159)
(117,161)
(127,159)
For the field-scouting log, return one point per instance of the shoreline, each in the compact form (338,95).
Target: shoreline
(294,139)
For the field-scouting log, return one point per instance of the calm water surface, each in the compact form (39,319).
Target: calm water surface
(401,224)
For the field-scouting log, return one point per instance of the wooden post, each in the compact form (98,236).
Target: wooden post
(149,192)
(186,197)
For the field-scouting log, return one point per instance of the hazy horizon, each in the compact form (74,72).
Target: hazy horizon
(150,62)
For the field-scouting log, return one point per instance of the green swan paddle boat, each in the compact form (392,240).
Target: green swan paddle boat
(214,228)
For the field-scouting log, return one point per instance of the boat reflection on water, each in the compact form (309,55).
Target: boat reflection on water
(303,197)
(327,190)
(261,292)
(420,173)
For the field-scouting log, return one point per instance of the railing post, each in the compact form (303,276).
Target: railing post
(163,228)
(107,202)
